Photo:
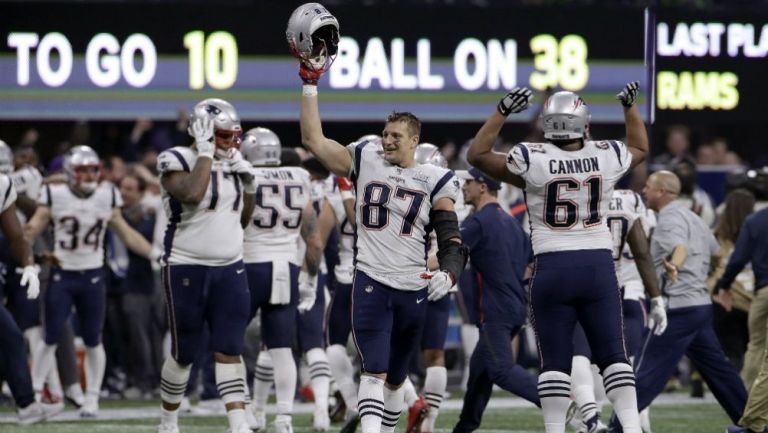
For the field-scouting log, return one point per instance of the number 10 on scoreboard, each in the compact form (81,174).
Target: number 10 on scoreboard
(212,59)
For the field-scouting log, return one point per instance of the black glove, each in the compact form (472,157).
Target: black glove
(517,100)
(628,94)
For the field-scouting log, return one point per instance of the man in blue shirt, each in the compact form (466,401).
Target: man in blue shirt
(500,252)
(752,246)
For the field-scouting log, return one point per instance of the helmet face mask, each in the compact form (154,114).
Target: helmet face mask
(83,169)
(565,117)
(227,131)
(261,147)
(313,36)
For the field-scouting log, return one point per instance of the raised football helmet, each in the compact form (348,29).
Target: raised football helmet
(83,168)
(313,36)
(261,147)
(565,116)
(428,153)
(227,131)
(6,158)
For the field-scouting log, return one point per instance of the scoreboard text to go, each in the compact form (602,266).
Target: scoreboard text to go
(213,59)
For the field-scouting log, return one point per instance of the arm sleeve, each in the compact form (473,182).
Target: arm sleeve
(447,187)
(172,160)
(519,160)
(623,157)
(45,198)
(355,150)
(8,191)
(670,233)
(739,258)
(116,198)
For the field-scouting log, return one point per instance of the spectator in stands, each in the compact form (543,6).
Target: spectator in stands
(695,198)
(678,145)
(731,327)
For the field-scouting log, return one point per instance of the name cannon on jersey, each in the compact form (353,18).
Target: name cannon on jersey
(584,165)
(277,174)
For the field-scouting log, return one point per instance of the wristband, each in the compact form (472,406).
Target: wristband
(309,90)
(345,194)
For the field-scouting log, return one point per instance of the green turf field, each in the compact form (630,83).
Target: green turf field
(706,417)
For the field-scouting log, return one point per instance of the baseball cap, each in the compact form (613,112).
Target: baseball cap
(478,176)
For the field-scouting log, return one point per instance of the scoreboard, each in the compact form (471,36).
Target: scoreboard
(123,60)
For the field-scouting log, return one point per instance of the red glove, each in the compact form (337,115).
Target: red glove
(344,183)
(309,75)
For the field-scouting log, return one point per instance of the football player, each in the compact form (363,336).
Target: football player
(203,189)
(80,211)
(280,280)
(569,182)
(398,202)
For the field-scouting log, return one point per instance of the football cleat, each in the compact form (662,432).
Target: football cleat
(416,414)
(168,428)
(38,412)
(338,410)
(320,421)
(90,407)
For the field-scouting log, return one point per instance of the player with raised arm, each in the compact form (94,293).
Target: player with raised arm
(398,202)
(283,212)
(207,192)
(80,212)
(569,182)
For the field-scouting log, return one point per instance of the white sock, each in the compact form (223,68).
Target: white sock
(236,418)
(600,398)
(169,416)
(645,419)
(370,403)
(555,394)
(173,381)
(43,359)
(619,380)
(231,386)
(409,392)
(470,335)
(582,387)
(320,376)
(343,373)
(434,391)
(393,406)
(263,383)
(95,364)
(285,379)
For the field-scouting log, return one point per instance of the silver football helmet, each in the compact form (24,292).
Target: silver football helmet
(565,117)
(83,168)
(227,131)
(313,36)
(261,147)
(6,158)
(428,153)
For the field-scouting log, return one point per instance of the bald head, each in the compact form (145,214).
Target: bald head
(666,181)
(660,189)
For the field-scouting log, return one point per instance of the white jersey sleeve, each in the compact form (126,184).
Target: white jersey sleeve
(568,192)
(624,209)
(79,223)
(8,192)
(629,276)
(207,233)
(28,180)
(273,233)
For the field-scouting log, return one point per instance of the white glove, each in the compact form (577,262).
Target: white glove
(307,291)
(29,279)
(244,170)
(440,284)
(155,255)
(658,317)
(517,100)
(202,130)
(628,94)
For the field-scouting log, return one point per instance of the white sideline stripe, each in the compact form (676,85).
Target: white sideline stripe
(308,408)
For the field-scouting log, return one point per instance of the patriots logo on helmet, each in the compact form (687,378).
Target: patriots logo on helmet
(212,109)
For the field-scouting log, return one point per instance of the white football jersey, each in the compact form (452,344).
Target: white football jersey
(393,207)
(208,233)
(79,223)
(568,192)
(282,193)
(8,192)
(629,276)
(624,209)
(344,270)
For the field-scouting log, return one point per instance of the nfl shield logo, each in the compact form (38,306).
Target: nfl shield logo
(368,289)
